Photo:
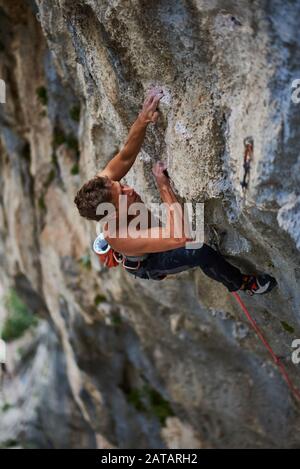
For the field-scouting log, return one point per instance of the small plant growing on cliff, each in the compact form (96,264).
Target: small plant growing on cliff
(85,261)
(286,326)
(8,444)
(99,299)
(116,319)
(19,317)
(41,203)
(75,113)
(6,406)
(149,401)
(42,95)
(75,169)
(135,398)
(72,143)
(58,137)
(159,406)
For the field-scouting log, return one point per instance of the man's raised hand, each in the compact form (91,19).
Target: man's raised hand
(149,111)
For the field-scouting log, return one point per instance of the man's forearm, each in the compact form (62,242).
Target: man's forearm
(135,139)
(167,194)
(119,166)
(175,215)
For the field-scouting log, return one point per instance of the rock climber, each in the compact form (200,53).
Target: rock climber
(152,255)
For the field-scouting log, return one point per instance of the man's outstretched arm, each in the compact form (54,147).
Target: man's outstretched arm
(121,163)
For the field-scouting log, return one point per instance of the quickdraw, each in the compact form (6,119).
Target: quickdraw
(248,154)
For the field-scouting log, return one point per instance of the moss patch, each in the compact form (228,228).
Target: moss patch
(85,261)
(19,318)
(9,444)
(75,169)
(75,113)
(42,95)
(287,327)
(72,142)
(41,203)
(116,319)
(59,138)
(6,406)
(151,402)
(99,299)
(135,398)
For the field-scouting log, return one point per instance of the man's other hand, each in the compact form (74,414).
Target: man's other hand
(158,171)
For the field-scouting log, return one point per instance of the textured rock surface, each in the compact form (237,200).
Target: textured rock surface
(126,364)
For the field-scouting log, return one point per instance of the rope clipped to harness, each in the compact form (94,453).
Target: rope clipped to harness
(248,154)
(295,392)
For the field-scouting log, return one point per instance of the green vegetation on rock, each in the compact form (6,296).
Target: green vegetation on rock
(59,137)
(6,406)
(151,402)
(116,319)
(287,327)
(100,298)
(75,113)
(42,95)
(8,444)
(41,203)
(19,318)
(75,169)
(85,261)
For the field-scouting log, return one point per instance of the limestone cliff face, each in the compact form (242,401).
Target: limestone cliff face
(115,361)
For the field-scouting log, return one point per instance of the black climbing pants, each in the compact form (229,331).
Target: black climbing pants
(160,264)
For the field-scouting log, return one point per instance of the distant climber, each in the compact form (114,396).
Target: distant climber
(155,257)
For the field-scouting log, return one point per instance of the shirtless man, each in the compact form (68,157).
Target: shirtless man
(153,255)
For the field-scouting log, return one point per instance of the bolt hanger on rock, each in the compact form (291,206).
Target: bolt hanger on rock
(248,156)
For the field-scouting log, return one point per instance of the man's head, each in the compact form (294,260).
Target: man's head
(101,189)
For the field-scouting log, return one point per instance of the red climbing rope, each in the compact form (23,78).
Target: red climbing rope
(276,359)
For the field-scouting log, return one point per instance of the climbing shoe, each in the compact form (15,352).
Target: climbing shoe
(258,284)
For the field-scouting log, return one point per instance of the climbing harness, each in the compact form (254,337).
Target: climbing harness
(130,259)
(275,358)
(248,154)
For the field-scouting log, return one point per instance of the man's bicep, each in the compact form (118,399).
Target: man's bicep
(151,240)
(127,245)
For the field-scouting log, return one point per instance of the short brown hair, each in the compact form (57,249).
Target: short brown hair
(91,194)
